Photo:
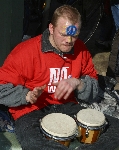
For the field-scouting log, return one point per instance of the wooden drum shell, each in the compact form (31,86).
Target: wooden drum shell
(91,123)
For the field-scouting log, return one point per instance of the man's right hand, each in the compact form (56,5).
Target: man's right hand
(32,96)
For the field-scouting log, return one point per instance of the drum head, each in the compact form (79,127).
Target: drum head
(58,124)
(91,117)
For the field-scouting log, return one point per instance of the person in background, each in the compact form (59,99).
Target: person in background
(45,74)
(113,66)
(107,27)
(115,12)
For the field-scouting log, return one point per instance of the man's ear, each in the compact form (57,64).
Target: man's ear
(51,28)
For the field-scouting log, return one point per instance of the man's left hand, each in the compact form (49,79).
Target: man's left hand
(66,86)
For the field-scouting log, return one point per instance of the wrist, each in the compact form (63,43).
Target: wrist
(80,84)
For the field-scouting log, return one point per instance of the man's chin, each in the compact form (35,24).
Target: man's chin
(66,50)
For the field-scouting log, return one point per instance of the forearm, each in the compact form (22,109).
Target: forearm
(89,89)
(13,96)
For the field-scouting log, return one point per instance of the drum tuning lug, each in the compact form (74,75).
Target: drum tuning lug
(106,122)
(77,131)
(40,120)
(87,133)
(75,117)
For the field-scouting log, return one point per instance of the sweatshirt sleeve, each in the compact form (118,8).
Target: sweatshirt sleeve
(89,91)
(13,96)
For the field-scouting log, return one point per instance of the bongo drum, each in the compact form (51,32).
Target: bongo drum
(90,123)
(59,127)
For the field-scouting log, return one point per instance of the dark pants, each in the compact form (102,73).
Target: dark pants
(28,127)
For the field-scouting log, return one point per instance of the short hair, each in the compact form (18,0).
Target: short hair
(67,12)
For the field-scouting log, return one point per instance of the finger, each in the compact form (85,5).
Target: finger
(35,93)
(59,92)
(32,96)
(43,87)
(32,101)
(55,83)
(38,90)
(66,95)
(61,95)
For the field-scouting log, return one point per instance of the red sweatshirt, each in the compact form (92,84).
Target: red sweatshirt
(29,66)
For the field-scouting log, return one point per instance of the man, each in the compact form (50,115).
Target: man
(41,76)
(107,28)
(113,66)
(115,12)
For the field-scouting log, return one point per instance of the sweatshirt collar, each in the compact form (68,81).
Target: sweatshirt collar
(47,47)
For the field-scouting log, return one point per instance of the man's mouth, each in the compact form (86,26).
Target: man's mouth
(68,45)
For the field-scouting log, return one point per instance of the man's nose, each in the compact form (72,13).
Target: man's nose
(69,39)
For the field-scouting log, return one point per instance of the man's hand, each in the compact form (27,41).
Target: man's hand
(33,95)
(66,86)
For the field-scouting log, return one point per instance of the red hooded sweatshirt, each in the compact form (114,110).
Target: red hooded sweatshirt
(29,66)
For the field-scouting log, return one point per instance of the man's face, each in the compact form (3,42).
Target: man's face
(64,35)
